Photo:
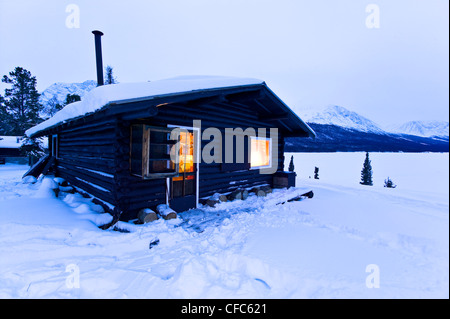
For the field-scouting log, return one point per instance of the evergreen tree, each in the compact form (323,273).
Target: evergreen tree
(70,98)
(5,118)
(110,79)
(53,105)
(366,173)
(291,164)
(33,148)
(21,102)
(316,172)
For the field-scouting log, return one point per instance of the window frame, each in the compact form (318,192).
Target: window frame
(55,146)
(145,154)
(255,138)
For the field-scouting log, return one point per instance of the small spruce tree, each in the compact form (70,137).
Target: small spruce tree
(366,173)
(70,98)
(291,164)
(110,78)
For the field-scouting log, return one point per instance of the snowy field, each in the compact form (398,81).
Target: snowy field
(339,244)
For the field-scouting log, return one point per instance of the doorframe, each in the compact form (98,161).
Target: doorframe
(197,175)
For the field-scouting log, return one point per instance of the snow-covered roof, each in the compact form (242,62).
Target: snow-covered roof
(101,96)
(10,141)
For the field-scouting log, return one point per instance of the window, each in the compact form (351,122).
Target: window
(260,152)
(150,152)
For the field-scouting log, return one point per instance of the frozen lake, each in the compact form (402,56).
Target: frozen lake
(349,241)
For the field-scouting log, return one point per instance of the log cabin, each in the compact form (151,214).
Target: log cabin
(117,143)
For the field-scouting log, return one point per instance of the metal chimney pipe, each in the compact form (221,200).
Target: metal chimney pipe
(98,56)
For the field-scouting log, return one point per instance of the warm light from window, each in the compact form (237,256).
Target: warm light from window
(260,152)
(186,159)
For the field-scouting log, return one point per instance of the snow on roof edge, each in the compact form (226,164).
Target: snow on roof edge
(101,96)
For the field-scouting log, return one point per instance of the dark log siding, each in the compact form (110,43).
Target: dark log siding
(212,178)
(94,154)
(86,158)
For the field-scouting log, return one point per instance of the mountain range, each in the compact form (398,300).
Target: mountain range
(60,90)
(340,130)
(423,128)
(337,128)
(340,116)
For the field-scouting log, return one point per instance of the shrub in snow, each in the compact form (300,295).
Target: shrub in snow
(389,183)
(366,173)
(291,164)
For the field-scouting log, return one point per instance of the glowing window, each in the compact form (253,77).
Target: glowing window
(261,152)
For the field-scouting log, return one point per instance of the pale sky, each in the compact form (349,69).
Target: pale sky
(311,53)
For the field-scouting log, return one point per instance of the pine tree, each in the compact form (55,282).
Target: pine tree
(291,164)
(5,118)
(366,173)
(52,106)
(21,102)
(70,98)
(110,79)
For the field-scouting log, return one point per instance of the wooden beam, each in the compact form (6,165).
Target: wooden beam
(262,106)
(274,117)
(148,112)
(244,96)
(287,127)
(205,100)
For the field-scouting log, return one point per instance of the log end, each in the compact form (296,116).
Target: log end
(147,216)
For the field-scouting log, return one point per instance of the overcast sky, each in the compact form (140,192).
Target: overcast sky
(311,53)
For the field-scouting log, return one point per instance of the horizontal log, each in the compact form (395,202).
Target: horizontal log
(134,207)
(204,192)
(102,181)
(166,212)
(71,178)
(146,215)
(88,136)
(92,152)
(100,164)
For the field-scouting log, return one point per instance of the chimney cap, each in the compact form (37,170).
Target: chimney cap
(96,32)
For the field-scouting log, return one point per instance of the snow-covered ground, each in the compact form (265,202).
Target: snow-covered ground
(346,239)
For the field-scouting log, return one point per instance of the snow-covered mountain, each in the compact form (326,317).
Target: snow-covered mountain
(60,90)
(340,116)
(422,128)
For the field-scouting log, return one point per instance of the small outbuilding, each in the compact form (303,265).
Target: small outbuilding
(175,142)
(10,149)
